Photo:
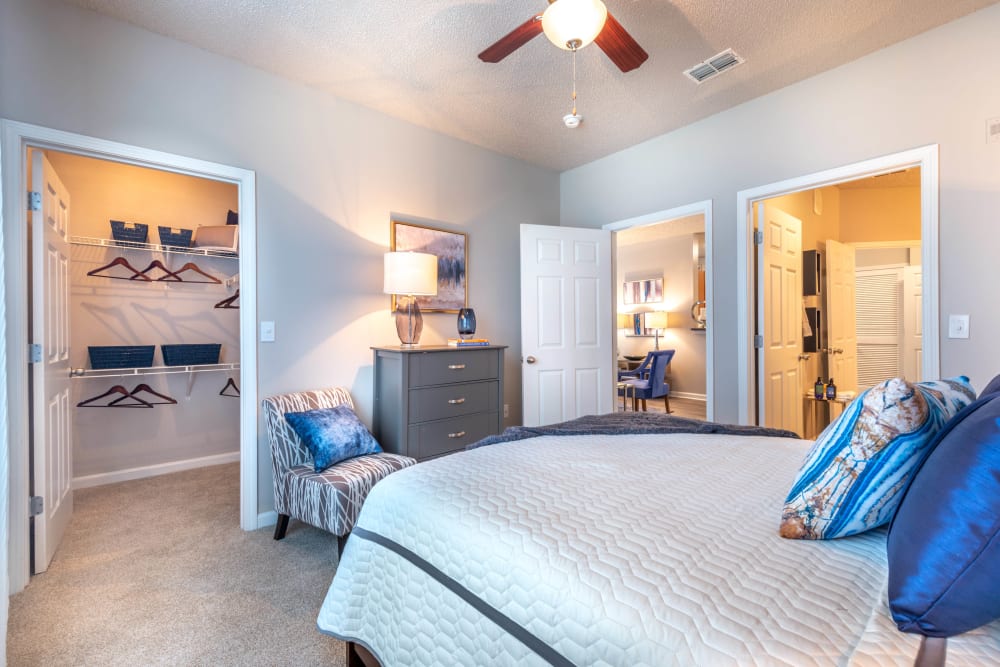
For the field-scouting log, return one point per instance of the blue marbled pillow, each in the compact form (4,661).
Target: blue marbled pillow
(332,435)
(855,474)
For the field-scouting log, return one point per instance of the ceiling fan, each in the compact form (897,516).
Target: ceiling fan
(571,25)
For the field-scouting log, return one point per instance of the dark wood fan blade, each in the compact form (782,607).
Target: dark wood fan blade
(514,40)
(615,41)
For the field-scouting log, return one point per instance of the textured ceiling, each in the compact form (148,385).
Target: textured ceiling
(416,59)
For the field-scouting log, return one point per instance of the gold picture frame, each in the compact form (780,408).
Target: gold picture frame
(452,251)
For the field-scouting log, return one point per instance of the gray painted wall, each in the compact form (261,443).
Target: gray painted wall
(912,94)
(329,175)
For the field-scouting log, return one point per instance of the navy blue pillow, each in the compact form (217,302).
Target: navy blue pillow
(332,435)
(992,388)
(944,542)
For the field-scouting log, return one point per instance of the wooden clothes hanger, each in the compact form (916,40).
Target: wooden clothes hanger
(191,266)
(167,273)
(228,302)
(117,389)
(230,383)
(145,388)
(120,261)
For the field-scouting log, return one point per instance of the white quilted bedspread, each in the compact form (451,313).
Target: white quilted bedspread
(624,550)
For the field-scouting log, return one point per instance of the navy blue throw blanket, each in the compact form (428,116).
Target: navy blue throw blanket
(626,423)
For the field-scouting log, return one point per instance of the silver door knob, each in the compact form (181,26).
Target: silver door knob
(530,359)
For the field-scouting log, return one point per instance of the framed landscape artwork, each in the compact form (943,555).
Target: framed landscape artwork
(452,251)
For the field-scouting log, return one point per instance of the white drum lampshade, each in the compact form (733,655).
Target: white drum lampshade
(409,274)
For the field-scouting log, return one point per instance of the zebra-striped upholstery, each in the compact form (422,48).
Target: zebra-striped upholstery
(330,499)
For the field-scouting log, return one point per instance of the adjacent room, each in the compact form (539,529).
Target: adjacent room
(573,332)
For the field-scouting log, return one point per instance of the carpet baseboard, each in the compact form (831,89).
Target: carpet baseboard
(265,519)
(127,474)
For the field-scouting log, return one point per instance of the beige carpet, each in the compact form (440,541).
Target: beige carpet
(158,572)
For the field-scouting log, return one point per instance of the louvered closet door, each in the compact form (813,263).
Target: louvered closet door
(880,326)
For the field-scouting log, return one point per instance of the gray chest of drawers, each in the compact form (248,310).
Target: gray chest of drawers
(432,400)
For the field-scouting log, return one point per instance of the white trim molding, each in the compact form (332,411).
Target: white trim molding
(16,138)
(265,519)
(128,474)
(687,395)
(925,157)
(703,208)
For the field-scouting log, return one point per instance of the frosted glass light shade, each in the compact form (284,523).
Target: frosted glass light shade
(412,273)
(566,21)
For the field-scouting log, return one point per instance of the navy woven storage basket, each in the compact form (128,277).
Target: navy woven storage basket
(180,239)
(121,356)
(191,355)
(129,234)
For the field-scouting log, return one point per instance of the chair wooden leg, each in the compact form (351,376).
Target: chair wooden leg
(666,403)
(644,405)
(281,526)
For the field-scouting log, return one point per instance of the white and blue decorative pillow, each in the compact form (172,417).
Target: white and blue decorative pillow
(854,476)
(332,435)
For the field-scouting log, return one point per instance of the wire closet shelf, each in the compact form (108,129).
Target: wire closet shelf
(155,247)
(151,370)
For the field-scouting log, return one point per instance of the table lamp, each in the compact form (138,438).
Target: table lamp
(656,320)
(409,275)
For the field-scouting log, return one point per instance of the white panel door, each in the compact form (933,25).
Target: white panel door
(913,331)
(52,445)
(567,367)
(779,287)
(842,336)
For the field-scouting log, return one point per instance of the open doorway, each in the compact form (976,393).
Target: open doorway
(20,139)
(856,297)
(662,303)
(815,314)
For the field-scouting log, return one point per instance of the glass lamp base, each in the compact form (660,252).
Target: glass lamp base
(409,321)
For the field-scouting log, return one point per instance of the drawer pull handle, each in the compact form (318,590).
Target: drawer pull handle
(456,435)
(456,367)
(456,401)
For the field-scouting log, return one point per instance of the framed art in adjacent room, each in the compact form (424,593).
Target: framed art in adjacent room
(452,251)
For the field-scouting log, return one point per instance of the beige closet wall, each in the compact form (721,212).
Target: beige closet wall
(880,214)
(104,311)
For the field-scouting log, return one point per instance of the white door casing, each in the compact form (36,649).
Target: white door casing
(780,319)
(913,331)
(842,338)
(566,329)
(53,448)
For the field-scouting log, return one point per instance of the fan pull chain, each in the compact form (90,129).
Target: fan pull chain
(574,82)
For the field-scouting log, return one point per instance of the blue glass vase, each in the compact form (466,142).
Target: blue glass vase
(466,323)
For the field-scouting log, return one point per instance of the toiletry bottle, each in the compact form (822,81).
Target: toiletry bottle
(819,389)
(831,390)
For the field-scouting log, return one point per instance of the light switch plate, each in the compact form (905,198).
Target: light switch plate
(267,332)
(958,326)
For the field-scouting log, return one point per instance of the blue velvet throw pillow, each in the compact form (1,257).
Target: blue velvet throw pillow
(853,477)
(992,388)
(944,542)
(332,435)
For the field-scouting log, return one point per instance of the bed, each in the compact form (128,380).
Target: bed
(613,549)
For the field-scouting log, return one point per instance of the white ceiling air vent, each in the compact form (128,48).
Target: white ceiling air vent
(717,64)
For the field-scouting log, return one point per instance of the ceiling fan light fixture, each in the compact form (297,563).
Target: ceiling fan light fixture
(573,24)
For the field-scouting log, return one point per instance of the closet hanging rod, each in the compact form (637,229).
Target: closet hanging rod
(152,370)
(134,245)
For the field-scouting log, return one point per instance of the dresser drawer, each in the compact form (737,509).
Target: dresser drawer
(448,435)
(452,400)
(453,366)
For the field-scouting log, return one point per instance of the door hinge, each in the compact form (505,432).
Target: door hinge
(36,505)
(758,237)
(34,201)
(758,341)
(35,353)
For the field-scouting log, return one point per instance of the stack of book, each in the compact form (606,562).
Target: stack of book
(468,342)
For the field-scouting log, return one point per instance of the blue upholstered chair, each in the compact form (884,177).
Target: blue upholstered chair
(647,381)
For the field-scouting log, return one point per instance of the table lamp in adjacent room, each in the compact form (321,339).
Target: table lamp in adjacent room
(656,320)
(407,276)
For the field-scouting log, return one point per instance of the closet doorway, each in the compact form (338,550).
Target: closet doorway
(102,292)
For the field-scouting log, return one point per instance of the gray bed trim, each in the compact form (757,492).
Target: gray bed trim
(543,650)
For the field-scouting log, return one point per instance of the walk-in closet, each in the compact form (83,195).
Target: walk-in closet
(143,302)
